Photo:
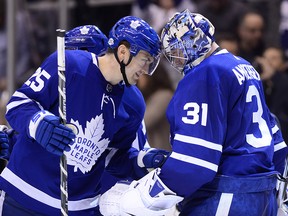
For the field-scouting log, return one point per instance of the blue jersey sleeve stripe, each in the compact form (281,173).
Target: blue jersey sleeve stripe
(279,146)
(195,161)
(198,141)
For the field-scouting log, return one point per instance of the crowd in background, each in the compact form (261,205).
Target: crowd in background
(256,30)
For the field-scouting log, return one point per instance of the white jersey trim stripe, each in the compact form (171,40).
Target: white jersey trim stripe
(279,146)
(2,197)
(24,100)
(224,204)
(16,103)
(275,129)
(40,196)
(198,141)
(110,155)
(193,160)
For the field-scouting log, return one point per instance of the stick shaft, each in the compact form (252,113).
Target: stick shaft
(62,114)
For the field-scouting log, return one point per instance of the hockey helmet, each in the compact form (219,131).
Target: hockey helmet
(186,39)
(88,37)
(140,35)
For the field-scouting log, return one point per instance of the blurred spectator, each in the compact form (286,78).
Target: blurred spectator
(224,14)
(45,20)
(272,69)
(159,88)
(270,11)
(158,12)
(228,42)
(250,34)
(157,91)
(26,55)
(284,27)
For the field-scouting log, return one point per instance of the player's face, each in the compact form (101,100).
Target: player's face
(140,64)
(176,54)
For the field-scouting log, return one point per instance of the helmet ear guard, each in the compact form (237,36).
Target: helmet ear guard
(186,39)
(88,37)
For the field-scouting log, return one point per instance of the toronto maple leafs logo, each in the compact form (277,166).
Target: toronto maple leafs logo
(135,24)
(88,145)
(84,30)
(111,41)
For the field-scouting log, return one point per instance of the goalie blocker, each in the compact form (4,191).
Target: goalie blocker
(147,196)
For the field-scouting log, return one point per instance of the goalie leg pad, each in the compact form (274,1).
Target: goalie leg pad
(148,196)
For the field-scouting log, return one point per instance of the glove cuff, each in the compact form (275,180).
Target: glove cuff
(35,120)
(141,156)
(3,127)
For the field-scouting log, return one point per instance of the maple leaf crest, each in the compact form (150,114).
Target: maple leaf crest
(88,145)
(84,30)
(135,24)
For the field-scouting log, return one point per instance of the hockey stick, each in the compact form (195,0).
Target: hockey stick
(62,114)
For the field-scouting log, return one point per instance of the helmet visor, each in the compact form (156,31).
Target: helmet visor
(147,62)
(176,54)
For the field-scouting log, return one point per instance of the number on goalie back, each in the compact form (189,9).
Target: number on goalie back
(194,114)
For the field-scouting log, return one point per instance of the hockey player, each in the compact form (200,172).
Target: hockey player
(92,39)
(94,90)
(222,134)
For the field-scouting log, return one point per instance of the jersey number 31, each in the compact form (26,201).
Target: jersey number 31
(195,111)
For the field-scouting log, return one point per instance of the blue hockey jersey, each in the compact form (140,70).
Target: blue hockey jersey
(220,125)
(96,110)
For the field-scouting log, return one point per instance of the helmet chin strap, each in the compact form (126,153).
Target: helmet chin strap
(122,68)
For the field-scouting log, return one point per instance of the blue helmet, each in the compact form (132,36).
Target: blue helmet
(88,37)
(140,35)
(186,39)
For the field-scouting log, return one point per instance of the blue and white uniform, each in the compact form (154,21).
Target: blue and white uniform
(223,140)
(94,107)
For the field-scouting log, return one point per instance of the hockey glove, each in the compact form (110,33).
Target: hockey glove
(152,157)
(147,196)
(47,130)
(4,143)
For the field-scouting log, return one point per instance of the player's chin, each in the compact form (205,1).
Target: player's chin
(133,81)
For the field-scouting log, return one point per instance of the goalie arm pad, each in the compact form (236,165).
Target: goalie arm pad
(147,196)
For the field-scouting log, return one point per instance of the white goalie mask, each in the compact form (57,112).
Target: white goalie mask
(186,39)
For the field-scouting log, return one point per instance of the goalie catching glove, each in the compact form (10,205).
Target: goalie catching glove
(47,130)
(147,196)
